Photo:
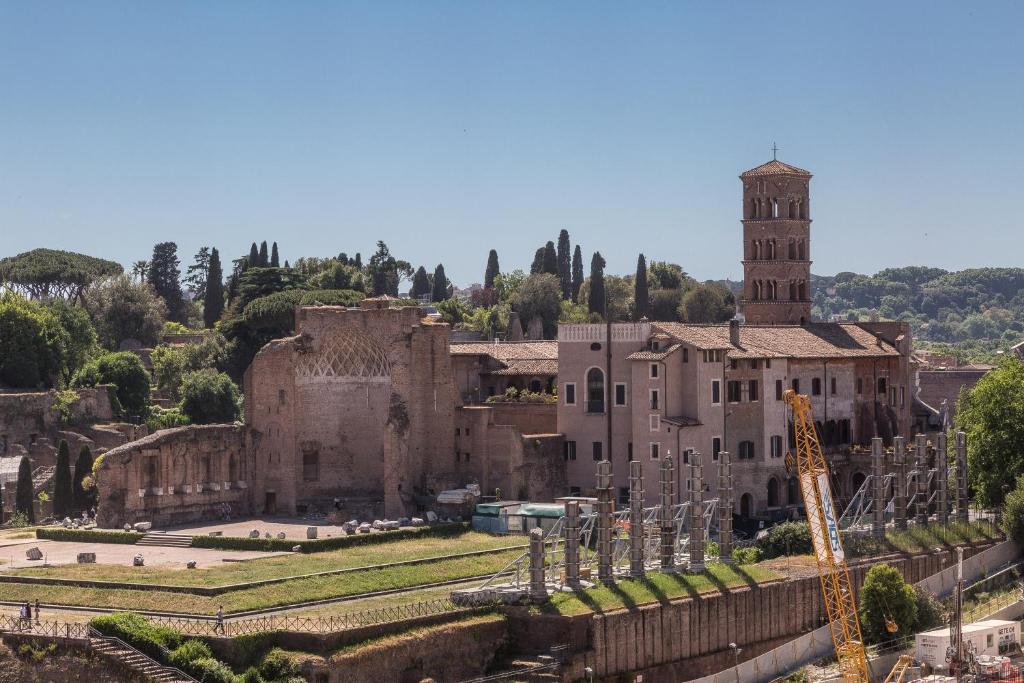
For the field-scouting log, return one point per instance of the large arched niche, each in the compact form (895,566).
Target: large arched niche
(345,354)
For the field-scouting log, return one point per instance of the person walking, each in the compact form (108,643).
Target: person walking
(220,620)
(22,616)
(37,611)
(28,616)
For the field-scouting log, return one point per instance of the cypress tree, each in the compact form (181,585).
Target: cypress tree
(538,262)
(577,273)
(213,302)
(596,302)
(420,283)
(492,269)
(63,494)
(264,257)
(275,261)
(254,256)
(286,264)
(550,260)
(358,261)
(641,297)
(165,277)
(83,468)
(564,264)
(23,495)
(440,292)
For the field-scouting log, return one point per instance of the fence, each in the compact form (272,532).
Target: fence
(326,624)
(53,629)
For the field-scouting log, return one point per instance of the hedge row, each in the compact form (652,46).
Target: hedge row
(51,533)
(320,545)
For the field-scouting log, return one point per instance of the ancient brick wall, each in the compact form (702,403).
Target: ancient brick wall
(176,476)
(938,385)
(528,418)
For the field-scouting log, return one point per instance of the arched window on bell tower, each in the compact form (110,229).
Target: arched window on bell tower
(803,290)
(775,208)
(801,250)
(804,209)
(793,209)
(793,291)
(792,249)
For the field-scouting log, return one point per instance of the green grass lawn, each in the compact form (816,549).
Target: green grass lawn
(922,539)
(297,590)
(282,566)
(658,587)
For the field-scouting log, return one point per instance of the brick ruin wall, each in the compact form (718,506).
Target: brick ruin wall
(28,417)
(176,476)
(936,385)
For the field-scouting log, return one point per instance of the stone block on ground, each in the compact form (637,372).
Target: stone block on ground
(34,554)
(281,535)
(311,532)
(255,533)
(86,558)
(191,564)
(143,526)
(416,521)
(138,561)
(431,516)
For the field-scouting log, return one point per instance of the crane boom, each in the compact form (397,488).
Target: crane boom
(828,548)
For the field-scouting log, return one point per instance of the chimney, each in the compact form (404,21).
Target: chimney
(734,332)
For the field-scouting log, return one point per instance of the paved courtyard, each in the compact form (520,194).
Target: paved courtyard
(293,528)
(12,555)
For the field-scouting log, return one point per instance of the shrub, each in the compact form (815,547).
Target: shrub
(166,418)
(211,670)
(885,595)
(139,632)
(251,675)
(748,555)
(788,538)
(56,533)
(185,655)
(930,613)
(83,485)
(323,544)
(125,371)
(209,397)
(277,665)
(62,404)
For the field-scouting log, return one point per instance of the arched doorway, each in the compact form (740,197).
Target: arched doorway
(856,481)
(746,505)
(792,492)
(773,492)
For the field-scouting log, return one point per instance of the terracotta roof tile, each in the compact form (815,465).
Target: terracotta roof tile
(527,367)
(654,355)
(526,350)
(815,340)
(775,167)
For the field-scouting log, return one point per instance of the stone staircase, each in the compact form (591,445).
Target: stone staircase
(161,538)
(122,654)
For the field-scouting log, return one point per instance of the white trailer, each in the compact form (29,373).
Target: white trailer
(984,637)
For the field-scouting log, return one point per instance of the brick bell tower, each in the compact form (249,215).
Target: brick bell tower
(776,245)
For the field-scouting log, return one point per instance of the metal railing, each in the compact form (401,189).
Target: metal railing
(50,629)
(305,624)
(93,633)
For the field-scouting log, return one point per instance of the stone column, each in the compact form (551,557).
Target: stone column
(899,490)
(696,545)
(636,520)
(941,480)
(724,507)
(921,464)
(962,501)
(604,522)
(538,591)
(878,488)
(667,550)
(572,544)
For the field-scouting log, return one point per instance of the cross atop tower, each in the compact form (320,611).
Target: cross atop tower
(775,151)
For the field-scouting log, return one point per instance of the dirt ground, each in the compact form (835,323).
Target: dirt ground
(57,553)
(70,667)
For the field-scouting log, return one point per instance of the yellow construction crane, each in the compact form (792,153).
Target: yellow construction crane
(828,547)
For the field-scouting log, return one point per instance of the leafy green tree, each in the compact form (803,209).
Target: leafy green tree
(275,259)
(1013,512)
(565,264)
(549,264)
(171,362)
(164,276)
(664,275)
(577,274)
(125,371)
(264,257)
(383,271)
(641,297)
(596,301)
(540,296)
(81,339)
(420,284)
(84,492)
(23,498)
(705,304)
(992,415)
(453,311)
(338,276)
(199,273)
(213,292)
(665,305)
(886,596)
(788,538)
(209,397)
(440,287)
(507,284)
(121,309)
(492,269)
(43,274)
(63,494)
(33,344)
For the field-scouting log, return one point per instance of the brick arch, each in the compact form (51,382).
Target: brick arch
(345,354)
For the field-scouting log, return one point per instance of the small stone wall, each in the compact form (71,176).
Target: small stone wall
(176,476)
(528,418)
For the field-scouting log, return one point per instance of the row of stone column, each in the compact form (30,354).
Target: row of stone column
(921,485)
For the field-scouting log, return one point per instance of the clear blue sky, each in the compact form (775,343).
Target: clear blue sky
(450,128)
